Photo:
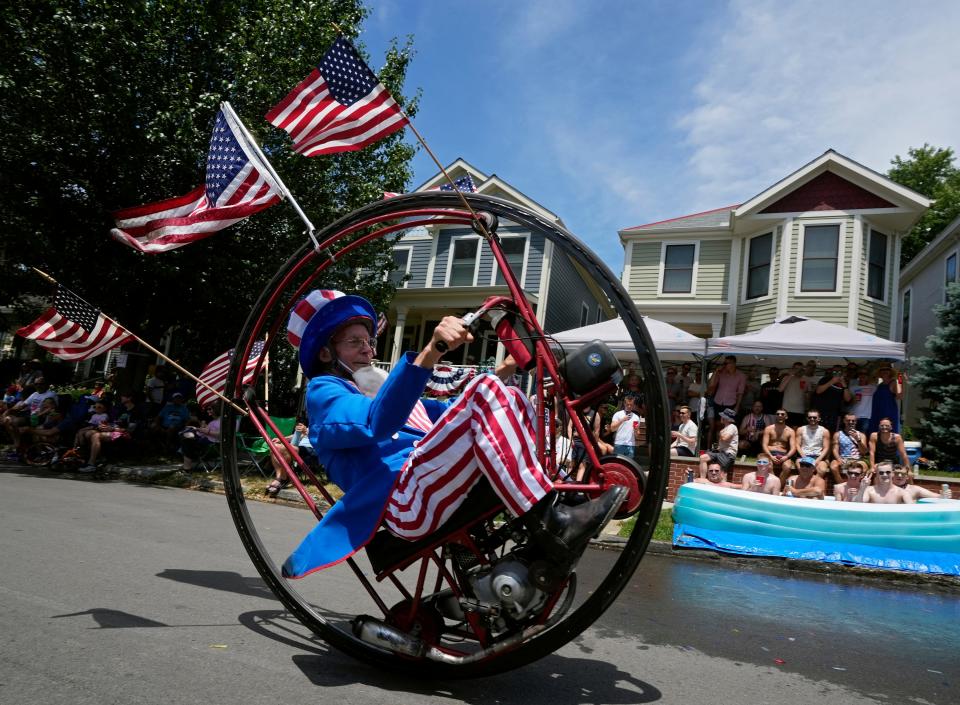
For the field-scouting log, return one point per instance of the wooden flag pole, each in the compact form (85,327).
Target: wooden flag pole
(155,351)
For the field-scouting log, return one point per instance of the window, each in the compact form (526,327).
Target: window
(514,248)
(905,317)
(758,266)
(401,266)
(599,314)
(678,269)
(950,271)
(463,264)
(877,265)
(584,314)
(821,244)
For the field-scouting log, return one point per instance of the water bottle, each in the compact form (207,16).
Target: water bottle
(689,475)
(945,492)
(297,436)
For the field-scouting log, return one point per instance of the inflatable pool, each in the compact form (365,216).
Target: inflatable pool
(923,537)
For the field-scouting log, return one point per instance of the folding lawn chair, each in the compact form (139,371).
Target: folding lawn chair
(257,448)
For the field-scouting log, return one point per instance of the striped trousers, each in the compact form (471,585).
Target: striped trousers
(487,433)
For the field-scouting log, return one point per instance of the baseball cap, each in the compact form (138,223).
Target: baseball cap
(728,414)
(807,460)
(176,395)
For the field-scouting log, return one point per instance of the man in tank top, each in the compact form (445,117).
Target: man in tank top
(813,440)
(885,445)
(848,444)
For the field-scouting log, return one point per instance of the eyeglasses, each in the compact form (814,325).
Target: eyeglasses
(357,343)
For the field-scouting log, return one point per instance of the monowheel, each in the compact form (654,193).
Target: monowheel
(472,600)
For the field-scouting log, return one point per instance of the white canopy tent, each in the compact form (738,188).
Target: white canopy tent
(669,341)
(798,337)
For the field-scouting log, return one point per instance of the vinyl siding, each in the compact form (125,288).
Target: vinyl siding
(754,315)
(713,272)
(568,292)
(419,261)
(828,308)
(874,317)
(644,270)
(534,257)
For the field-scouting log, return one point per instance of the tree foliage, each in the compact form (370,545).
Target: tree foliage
(110,104)
(938,378)
(931,172)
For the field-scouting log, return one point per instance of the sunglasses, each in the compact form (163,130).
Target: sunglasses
(763,462)
(884,472)
(813,418)
(854,473)
(900,474)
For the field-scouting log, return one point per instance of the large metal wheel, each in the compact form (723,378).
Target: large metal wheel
(317,600)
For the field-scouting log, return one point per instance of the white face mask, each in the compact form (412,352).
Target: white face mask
(369,379)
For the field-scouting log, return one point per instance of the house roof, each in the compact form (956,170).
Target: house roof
(830,182)
(490,185)
(947,238)
(716,218)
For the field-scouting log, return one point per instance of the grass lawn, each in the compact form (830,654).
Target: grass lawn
(662,532)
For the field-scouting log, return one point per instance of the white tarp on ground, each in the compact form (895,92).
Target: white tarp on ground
(797,336)
(667,339)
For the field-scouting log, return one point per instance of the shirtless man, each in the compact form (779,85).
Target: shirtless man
(858,480)
(716,475)
(762,480)
(885,492)
(901,478)
(806,483)
(814,440)
(848,444)
(780,443)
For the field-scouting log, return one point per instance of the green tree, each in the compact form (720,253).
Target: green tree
(110,104)
(938,378)
(931,172)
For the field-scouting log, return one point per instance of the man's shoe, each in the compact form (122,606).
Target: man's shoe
(86,469)
(575,526)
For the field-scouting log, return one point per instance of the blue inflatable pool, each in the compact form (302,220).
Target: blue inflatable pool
(923,537)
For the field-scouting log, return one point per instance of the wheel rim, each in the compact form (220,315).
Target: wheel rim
(298,274)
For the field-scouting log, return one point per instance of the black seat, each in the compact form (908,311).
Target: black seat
(387,550)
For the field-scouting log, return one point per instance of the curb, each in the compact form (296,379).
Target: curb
(608,541)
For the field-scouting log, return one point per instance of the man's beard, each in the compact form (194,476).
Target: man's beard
(369,379)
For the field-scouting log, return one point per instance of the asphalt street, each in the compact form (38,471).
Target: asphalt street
(122,593)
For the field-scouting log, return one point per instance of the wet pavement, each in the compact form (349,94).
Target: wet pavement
(901,641)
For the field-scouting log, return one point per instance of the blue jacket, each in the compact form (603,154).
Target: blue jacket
(362,444)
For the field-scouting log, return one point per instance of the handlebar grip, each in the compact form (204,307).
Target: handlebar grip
(469,321)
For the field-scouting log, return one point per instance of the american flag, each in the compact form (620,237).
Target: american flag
(464,183)
(237,185)
(382,323)
(72,329)
(339,107)
(215,373)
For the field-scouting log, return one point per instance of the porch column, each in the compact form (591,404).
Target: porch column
(398,335)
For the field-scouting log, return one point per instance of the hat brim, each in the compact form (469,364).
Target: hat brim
(324,322)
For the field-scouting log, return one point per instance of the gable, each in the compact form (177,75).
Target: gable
(827,192)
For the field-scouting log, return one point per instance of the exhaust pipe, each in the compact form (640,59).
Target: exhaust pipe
(375,632)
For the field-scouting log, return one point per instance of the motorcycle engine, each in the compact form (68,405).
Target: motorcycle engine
(510,585)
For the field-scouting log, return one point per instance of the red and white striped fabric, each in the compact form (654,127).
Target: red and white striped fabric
(237,185)
(72,329)
(488,433)
(215,373)
(304,311)
(419,418)
(339,107)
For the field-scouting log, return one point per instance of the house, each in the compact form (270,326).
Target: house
(446,270)
(923,285)
(823,242)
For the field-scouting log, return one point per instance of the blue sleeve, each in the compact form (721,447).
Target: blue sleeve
(342,418)
(435,408)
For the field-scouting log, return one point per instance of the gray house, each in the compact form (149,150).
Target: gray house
(449,270)
(923,284)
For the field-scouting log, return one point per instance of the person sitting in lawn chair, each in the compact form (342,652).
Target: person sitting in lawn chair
(409,463)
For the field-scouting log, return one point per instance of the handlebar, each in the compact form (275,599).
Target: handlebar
(471,320)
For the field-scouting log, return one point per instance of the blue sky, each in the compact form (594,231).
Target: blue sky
(614,113)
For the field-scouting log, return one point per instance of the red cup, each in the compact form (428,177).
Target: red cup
(636,425)
(803,384)
(761,480)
